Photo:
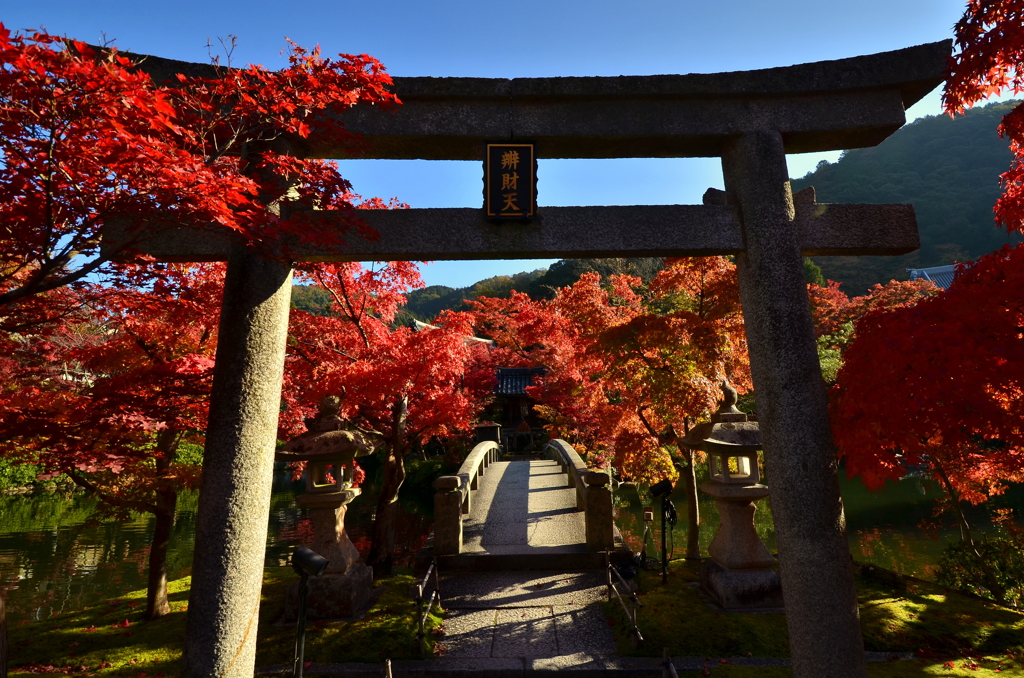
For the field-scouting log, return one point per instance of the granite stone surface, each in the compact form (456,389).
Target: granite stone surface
(799,456)
(550,616)
(238,465)
(523,507)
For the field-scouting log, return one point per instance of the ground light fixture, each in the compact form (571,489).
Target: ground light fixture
(663,489)
(305,562)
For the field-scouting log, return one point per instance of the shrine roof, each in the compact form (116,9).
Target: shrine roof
(514,380)
(942,276)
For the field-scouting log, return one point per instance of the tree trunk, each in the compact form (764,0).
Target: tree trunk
(382,549)
(689,480)
(965,533)
(166,502)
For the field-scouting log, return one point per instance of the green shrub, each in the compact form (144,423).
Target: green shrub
(16,475)
(1003,550)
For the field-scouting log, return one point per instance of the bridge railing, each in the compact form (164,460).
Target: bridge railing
(572,465)
(593,496)
(454,497)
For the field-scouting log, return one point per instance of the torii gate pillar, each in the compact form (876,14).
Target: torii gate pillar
(238,466)
(800,460)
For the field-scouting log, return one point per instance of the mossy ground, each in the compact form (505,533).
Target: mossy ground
(952,634)
(955,635)
(112,639)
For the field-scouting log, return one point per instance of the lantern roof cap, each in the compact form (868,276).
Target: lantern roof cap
(329,436)
(728,429)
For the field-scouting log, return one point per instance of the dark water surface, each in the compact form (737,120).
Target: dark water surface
(883,527)
(53,561)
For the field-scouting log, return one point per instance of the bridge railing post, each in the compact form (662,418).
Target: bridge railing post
(600,527)
(448,515)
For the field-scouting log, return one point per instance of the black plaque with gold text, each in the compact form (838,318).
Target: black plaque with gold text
(510,181)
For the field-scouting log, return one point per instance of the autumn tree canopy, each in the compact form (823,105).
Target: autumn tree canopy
(88,141)
(628,365)
(988,61)
(108,395)
(950,365)
(405,385)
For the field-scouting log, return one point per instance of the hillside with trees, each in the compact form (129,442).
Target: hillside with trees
(948,168)
(542,283)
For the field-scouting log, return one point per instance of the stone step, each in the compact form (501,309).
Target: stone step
(566,558)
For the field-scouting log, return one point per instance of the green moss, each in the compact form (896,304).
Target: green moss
(386,632)
(112,639)
(898,614)
(986,668)
(920,615)
(674,616)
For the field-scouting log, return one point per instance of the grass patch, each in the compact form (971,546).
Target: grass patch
(112,639)
(951,634)
(674,616)
(917,668)
(386,632)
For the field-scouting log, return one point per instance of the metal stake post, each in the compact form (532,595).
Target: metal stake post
(300,627)
(664,545)
(305,562)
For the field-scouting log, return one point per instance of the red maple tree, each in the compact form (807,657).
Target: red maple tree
(629,370)
(950,363)
(109,396)
(97,157)
(950,366)
(990,50)
(403,384)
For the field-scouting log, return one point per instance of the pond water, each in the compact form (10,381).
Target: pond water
(882,527)
(52,560)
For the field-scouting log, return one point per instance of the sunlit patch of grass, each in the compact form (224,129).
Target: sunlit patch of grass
(110,639)
(674,616)
(904,614)
(113,639)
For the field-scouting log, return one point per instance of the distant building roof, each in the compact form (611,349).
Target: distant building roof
(942,276)
(514,380)
(417,326)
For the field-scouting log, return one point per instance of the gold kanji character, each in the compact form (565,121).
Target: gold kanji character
(509,181)
(510,160)
(510,202)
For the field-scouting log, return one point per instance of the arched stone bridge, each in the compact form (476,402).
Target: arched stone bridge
(552,513)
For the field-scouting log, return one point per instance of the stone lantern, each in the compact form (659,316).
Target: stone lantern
(328,447)
(739,575)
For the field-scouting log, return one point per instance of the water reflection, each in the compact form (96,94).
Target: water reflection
(52,560)
(882,527)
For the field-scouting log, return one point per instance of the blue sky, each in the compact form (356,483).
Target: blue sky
(522,38)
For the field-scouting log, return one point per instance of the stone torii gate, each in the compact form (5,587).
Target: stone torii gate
(751,120)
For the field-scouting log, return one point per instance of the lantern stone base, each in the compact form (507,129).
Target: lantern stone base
(333,596)
(739,590)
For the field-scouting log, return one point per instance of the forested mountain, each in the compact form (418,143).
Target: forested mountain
(948,168)
(539,284)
